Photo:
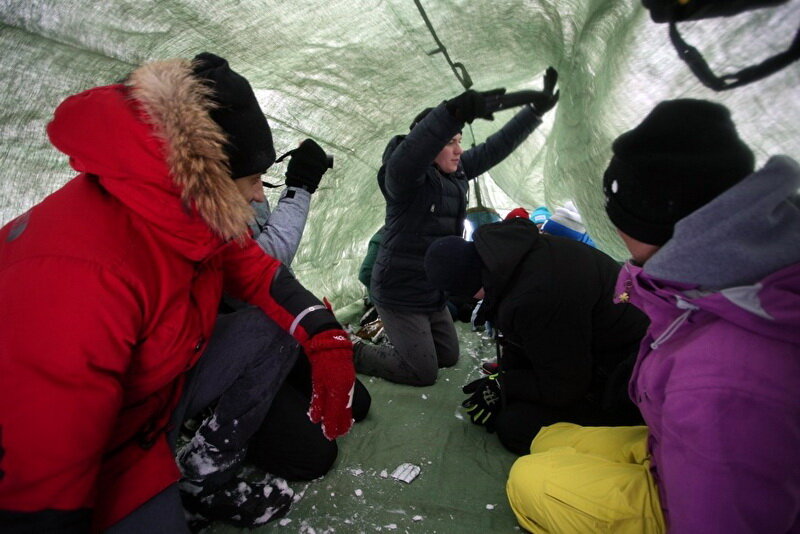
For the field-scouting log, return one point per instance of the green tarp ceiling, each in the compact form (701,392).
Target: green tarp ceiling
(351,73)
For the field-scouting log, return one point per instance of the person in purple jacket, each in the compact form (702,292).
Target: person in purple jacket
(716,266)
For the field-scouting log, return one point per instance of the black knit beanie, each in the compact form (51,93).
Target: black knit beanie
(249,149)
(453,265)
(683,154)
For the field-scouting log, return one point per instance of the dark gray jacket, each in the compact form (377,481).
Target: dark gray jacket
(424,204)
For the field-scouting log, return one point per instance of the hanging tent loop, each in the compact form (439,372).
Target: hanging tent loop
(480,214)
(458,68)
(477,187)
(674,11)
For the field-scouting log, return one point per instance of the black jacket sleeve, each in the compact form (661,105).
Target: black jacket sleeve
(556,346)
(500,144)
(259,279)
(408,164)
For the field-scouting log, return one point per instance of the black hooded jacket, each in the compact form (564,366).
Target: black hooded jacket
(424,204)
(551,297)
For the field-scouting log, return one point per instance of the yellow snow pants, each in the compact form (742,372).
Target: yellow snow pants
(585,480)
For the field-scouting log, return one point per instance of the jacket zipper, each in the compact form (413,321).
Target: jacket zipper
(676,324)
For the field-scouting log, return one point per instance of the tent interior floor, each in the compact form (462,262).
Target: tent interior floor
(461,485)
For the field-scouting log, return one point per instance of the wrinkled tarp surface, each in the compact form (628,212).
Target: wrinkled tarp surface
(352,73)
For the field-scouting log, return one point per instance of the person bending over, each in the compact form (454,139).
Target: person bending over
(566,349)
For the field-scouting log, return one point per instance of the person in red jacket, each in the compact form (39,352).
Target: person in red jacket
(110,289)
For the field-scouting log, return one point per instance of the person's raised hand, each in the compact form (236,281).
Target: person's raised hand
(545,99)
(471,105)
(307,165)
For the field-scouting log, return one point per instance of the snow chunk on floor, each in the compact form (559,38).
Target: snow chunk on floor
(406,472)
(417,518)
(490,507)
(359,493)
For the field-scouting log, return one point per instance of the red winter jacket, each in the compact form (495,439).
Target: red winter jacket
(110,288)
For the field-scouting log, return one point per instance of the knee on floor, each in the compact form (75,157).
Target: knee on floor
(305,463)
(511,438)
(424,379)
(448,361)
(362,401)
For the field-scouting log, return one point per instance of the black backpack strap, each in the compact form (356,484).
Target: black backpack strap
(698,65)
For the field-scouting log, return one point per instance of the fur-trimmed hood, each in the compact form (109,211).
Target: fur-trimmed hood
(153,145)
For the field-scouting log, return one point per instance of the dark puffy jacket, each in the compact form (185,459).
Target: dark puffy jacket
(551,297)
(423,204)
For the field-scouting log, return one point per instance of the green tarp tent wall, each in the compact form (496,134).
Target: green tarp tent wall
(350,74)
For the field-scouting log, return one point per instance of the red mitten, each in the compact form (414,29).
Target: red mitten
(332,380)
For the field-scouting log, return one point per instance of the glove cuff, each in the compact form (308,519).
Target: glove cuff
(539,115)
(451,107)
(300,184)
(327,340)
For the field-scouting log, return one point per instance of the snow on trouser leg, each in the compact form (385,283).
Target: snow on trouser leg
(245,364)
(247,360)
(586,479)
(202,463)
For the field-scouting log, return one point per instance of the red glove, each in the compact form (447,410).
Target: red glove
(332,380)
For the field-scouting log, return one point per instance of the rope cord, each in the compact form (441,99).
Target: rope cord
(477,187)
(462,76)
(697,64)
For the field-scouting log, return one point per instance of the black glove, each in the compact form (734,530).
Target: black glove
(545,100)
(307,165)
(484,403)
(471,105)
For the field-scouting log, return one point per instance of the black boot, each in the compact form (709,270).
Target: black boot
(200,459)
(214,488)
(239,502)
